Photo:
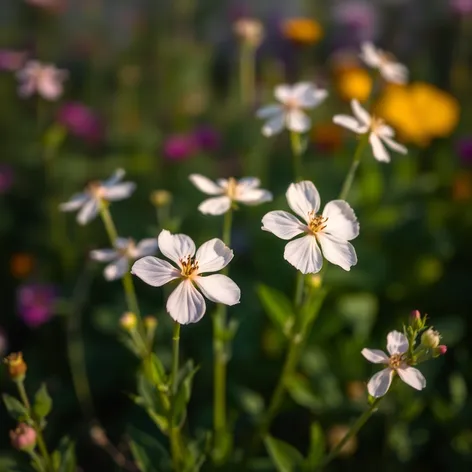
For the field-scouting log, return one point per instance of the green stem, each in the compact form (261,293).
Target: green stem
(355,428)
(297,151)
(247,74)
(299,290)
(37,460)
(174,429)
(355,164)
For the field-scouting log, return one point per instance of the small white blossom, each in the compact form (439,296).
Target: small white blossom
(397,347)
(385,63)
(229,190)
(44,79)
(186,304)
(125,252)
(380,134)
(89,200)
(332,230)
(289,113)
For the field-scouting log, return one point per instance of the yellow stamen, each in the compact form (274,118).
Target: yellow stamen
(317,222)
(189,266)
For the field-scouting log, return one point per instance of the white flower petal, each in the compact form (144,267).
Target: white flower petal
(413,377)
(186,304)
(303,197)
(88,212)
(308,95)
(375,355)
(219,289)
(145,247)
(348,122)
(205,185)
(378,149)
(247,183)
(254,197)
(154,271)
(360,113)
(370,55)
(49,86)
(380,383)
(175,246)
(119,191)
(337,251)
(104,255)
(116,177)
(397,343)
(283,93)
(394,145)
(274,125)
(394,72)
(269,111)
(215,205)
(384,131)
(75,202)
(298,121)
(284,225)
(122,243)
(342,221)
(116,269)
(304,254)
(213,255)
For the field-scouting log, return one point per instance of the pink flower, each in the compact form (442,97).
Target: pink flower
(462,7)
(179,147)
(23,438)
(11,60)
(44,79)
(35,303)
(81,121)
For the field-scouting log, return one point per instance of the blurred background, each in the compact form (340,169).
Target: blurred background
(154,87)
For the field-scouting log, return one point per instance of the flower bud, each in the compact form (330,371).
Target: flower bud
(249,31)
(150,323)
(128,321)
(161,198)
(430,338)
(23,438)
(440,350)
(314,281)
(16,366)
(416,321)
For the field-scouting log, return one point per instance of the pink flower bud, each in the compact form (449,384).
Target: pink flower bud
(442,349)
(415,315)
(23,437)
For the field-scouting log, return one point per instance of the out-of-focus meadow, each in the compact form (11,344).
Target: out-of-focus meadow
(155,88)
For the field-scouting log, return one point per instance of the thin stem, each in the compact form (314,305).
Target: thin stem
(247,74)
(174,429)
(355,164)
(355,428)
(297,151)
(299,290)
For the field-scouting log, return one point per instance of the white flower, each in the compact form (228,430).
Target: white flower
(44,79)
(379,133)
(89,200)
(186,304)
(331,230)
(397,347)
(294,99)
(385,63)
(125,251)
(230,190)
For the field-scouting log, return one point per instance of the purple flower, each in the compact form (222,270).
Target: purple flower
(179,147)
(11,60)
(206,138)
(81,121)
(3,342)
(35,303)
(357,20)
(462,7)
(6,178)
(464,150)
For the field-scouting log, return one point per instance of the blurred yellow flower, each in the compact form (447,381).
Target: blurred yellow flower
(302,30)
(354,83)
(419,111)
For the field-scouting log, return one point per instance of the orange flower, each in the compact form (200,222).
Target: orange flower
(327,136)
(462,186)
(354,83)
(21,265)
(302,30)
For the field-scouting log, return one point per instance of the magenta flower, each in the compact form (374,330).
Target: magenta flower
(179,147)
(81,121)
(464,150)
(35,303)
(11,60)
(462,7)
(206,138)
(6,178)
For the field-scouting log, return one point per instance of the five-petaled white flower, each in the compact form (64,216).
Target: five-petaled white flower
(125,252)
(186,304)
(385,63)
(89,200)
(379,133)
(397,347)
(44,79)
(294,99)
(230,190)
(333,230)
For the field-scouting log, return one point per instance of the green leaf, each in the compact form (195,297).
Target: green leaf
(66,452)
(15,408)
(250,401)
(299,389)
(149,454)
(317,447)
(278,307)
(42,402)
(184,389)
(284,456)
(312,307)
(14,463)
(154,371)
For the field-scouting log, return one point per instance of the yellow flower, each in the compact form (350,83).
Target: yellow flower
(354,83)
(302,30)
(419,111)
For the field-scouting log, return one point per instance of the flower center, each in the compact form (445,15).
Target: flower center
(376,123)
(128,250)
(232,188)
(395,361)
(189,266)
(95,189)
(316,222)
(291,104)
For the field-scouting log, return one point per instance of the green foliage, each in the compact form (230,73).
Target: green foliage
(284,456)
(316,449)
(278,307)
(149,454)
(64,457)
(15,408)
(184,390)
(42,403)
